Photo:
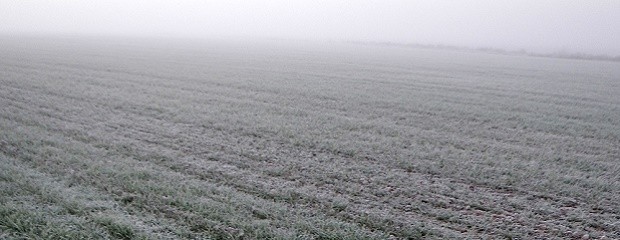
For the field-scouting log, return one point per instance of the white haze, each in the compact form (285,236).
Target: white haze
(543,26)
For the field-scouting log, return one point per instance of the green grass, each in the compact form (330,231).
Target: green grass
(21,224)
(210,141)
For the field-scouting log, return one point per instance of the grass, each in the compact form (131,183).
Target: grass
(27,225)
(130,140)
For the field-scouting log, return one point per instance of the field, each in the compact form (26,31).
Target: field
(168,139)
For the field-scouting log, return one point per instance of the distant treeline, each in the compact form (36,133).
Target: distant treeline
(496,51)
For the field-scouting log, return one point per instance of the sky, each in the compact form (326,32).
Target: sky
(588,26)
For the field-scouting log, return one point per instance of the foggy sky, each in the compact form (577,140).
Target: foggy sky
(544,26)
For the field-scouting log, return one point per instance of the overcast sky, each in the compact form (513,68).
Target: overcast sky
(591,26)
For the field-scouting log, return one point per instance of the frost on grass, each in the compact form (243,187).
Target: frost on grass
(220,140)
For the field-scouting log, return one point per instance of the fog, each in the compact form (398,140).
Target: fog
(543,26)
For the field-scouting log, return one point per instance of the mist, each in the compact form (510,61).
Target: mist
(591,27)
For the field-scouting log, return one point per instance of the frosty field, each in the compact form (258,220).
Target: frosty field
(179,139)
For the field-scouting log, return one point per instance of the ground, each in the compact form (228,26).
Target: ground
(168,139)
